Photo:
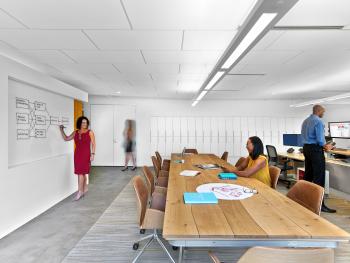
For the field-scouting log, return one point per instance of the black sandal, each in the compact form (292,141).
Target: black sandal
(125,168)
(134,168)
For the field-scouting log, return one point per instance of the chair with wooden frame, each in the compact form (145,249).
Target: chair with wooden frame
(159,172)
(307,194)
(240,161)
(164,164)
(149,217)
(224,156)
(159,186)
(274,175)
(193,151)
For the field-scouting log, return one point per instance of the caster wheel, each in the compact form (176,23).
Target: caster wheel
(142,231)
(135,246)
(175,248)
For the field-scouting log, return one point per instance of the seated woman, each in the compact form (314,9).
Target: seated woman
(256,164)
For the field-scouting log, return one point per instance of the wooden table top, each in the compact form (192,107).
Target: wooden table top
(266,215)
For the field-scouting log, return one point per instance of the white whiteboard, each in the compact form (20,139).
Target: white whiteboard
(34,117)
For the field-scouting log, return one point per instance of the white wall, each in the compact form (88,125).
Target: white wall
(30,189)
(148,108)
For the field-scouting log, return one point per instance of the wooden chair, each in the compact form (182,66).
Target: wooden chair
(149,217)
(274,175)
(159,172)
(240,161)
(224,156)
(307,194)
(164,164)
(193,151)
(290,255)
(152,185)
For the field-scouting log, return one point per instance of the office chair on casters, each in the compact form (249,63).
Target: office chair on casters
(149,216)
(273,161)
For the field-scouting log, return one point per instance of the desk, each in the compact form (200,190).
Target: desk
(265,219)
(340,151)
(300,157)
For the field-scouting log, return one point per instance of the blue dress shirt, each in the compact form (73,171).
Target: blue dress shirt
(312,131)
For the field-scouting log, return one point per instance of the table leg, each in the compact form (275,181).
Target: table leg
(181,253)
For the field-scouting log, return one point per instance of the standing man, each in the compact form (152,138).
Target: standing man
(312,132)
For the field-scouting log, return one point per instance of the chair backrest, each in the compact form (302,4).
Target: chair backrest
(156,165)
(159,158)
(141,197)
(274,175)
(307,194)
(290,255)
(194,151)
(149,179)
(240,161)
(224,156)
(272,153)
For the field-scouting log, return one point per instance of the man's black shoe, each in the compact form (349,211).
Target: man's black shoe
(327,209)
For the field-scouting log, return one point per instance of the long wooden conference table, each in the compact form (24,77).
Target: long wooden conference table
(268,218)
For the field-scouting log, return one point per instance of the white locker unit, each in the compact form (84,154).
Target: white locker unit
(199,127)
(176,127)
(169,131)
(206,127)
(184,128)
(217,134)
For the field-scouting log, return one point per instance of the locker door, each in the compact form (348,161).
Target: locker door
(199,127)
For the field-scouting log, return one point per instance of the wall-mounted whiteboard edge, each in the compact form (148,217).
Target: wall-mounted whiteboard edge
(30,76)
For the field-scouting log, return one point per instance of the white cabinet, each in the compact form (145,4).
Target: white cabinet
(217,134)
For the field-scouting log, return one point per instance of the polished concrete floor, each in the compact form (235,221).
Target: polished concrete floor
(50,236)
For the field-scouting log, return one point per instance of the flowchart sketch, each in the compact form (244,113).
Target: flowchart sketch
(34,116)
(22,118)
(33,119)
(22,103)
(23,134)
(54,120)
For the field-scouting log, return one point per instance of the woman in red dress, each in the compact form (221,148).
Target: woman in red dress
(84,153)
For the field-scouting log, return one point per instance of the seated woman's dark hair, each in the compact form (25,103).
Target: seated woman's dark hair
(80,120)
(258,147)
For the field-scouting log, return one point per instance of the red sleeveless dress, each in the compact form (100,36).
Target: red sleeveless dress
(82,152)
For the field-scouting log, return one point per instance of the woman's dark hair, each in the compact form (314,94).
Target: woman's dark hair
(80,120)
(258,147)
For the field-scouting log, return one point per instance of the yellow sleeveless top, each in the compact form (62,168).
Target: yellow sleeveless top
(263,175)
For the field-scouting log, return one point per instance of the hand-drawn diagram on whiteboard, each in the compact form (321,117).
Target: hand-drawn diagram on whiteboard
(33,119)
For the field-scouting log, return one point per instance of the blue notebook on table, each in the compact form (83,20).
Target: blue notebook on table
(200,198)
(227,176)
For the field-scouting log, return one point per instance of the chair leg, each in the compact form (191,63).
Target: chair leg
(143,249)
(145,238)
(165,249)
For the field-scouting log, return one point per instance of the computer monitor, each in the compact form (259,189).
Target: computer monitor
(292,140)
(339,129)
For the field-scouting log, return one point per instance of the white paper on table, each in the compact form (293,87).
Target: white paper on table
(189,173)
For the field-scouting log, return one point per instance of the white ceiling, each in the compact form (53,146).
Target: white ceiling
(167,48)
